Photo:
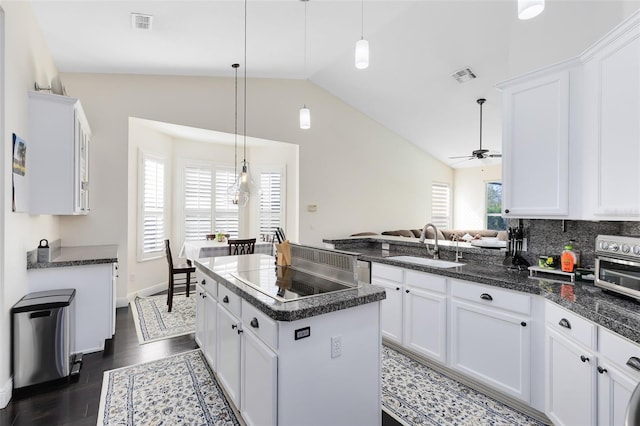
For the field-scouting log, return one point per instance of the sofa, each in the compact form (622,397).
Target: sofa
(443,234)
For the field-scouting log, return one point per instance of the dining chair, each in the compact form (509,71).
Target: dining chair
(241,246)
(175,271)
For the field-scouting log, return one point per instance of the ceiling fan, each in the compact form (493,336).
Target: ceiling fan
(479,153)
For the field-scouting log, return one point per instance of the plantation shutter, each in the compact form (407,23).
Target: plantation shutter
(226,213)
(441,205)
(270,202)
(153,226)
(197,203)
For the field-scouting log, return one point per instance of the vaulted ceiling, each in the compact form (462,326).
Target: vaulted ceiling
(415,47)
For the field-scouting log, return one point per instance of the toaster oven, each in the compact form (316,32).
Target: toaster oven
(618,264)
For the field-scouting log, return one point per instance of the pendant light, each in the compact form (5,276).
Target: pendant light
(362,45)
(233,191)
(528,9)
(245,180)
(305,113)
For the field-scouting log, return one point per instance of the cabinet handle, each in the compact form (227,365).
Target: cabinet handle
(233,326)
(254,323)
(204,296)
(584,358)
(226,299)
(203,282)
(397,288)
(506,210)
(240,330)
(634,363)
(601,370)
(406,291)
(524,324)
(485,296)
(565,323)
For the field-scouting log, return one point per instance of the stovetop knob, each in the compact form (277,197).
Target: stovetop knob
(636,250)
(613,246)
(624,248)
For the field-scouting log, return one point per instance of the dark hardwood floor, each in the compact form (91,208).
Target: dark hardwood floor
(77,403)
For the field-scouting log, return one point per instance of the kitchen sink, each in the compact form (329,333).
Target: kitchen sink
(434,263)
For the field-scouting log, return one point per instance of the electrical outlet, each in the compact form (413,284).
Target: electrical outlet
(336,346)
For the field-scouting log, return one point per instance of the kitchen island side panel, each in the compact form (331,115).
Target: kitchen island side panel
(315,388)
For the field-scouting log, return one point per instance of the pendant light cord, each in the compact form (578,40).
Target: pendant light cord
(305,38)
(481,124)
(362,20)
(244,152)
(235,137)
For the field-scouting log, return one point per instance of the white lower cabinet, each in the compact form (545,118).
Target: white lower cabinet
(229,352)
(571,379)
(201,317)
(210,330)
(490,343)
(391,309)
(259,381)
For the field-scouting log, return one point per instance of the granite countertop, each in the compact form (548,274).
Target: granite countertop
(620,315)
(221,268)
(75,256)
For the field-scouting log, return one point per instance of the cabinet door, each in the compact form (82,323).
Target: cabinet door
(391,308)
(211,308)
(259,381)
(570,382)
(201,317)
(491,346)
(614,392)
(425,323)
(612,149)
(535,150)
(228,359)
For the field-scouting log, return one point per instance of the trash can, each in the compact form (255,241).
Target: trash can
(43,336)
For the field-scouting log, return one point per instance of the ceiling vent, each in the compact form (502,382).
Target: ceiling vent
(464,75)
(141,22)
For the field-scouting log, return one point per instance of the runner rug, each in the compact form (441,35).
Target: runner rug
(180,389)
(153,322)
(415,394)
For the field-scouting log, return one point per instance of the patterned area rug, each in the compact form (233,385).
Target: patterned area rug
(153,322)
(417,395)
(180,389)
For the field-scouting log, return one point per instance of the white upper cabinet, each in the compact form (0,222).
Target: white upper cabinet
(612,116)
(571,134)
(58,155)
(536,147)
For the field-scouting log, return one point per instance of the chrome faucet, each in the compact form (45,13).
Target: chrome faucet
(436,250)
(458,255)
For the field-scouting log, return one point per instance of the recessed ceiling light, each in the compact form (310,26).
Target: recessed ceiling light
(464,75)
(140,21)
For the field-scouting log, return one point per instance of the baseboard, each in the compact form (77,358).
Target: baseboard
(5,393)
(145,292)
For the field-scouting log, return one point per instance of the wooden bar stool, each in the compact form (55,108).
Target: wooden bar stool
(175,272)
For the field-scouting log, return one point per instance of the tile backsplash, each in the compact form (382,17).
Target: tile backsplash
(547,237)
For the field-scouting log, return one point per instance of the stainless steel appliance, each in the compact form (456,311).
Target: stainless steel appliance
(313,272)
(618,264)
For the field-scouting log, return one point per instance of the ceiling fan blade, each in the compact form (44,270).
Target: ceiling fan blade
(462,156)
(495,155)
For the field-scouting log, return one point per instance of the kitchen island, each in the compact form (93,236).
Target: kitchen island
(312,360)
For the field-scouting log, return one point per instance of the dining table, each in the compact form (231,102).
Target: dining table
(213,248)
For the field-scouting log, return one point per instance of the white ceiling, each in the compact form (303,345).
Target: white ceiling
(415,46)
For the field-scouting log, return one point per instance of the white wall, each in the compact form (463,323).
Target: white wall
(360,175)
(469,195)
(27,61)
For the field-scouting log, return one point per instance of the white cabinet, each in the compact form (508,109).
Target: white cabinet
(210,330)
(391,308)
(259,367)
(201,316)
(612,143)
(206,316)
(491,337)
(425,315)
(229,347)
(94,301)
(535,146)
(58,157)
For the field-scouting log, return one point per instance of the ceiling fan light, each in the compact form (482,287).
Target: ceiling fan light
(305,118)
(362,54)
(528,9)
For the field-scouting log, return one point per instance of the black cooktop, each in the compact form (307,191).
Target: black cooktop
(286,284)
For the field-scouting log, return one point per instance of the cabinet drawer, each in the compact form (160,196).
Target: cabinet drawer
(260,324)
(492,296)
(427,281)
(386,272)
(229,300)
(208,284)
(570,324)
(618,349)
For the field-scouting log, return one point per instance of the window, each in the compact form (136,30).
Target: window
(271,211)
(197,202)
(493,202)
(441,205)
(151,223)
(226,213)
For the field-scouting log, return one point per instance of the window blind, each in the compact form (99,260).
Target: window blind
(441,205)
(226,213)
(270,202)
(197,203)
(153,221)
